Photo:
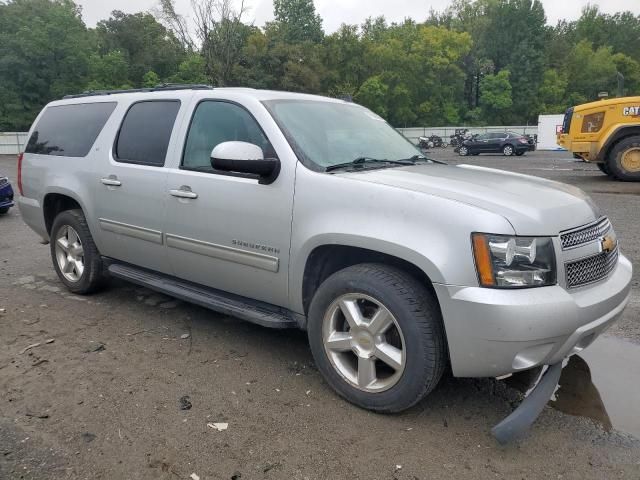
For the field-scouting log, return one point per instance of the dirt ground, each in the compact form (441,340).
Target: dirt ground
(102,394)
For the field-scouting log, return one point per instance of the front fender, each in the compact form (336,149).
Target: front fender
(430,232)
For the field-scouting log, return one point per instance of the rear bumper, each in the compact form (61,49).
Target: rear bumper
(33,216)
(496,332)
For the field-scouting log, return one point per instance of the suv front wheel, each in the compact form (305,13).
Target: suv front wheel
(376,335)
(75,256)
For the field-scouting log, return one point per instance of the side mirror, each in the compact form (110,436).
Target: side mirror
(247,158)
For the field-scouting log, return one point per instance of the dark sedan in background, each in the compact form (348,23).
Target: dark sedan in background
(6,195)
(507,143)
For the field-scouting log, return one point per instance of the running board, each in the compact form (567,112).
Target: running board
(228,304)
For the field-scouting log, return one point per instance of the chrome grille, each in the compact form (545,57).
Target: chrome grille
(584,235)
(590,269)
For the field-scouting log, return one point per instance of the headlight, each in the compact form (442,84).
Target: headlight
(504,261)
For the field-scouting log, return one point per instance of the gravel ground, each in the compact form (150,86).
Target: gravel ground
(104,399)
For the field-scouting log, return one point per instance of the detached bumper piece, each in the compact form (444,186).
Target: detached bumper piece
(521,419)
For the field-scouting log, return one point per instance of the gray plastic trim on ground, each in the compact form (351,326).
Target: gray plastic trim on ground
(521,419)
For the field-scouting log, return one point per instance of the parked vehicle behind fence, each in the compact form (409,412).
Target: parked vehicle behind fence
(507,143)
(298,211)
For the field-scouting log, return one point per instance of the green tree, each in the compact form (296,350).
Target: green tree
(191,70)
(107,72)
(297,21)
(590,71)
(373,95)
(44,52)
(552,92)
(620,31)
(145,43)
(495,97)
(150,79)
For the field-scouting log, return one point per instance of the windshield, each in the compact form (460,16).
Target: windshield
(330,133)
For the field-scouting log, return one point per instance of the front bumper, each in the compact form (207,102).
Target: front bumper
(494,332)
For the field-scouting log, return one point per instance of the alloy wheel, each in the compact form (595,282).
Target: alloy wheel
(463,151)
(69,253)
(508,150)
(364,342)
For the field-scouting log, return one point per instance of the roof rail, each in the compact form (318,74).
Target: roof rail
(163,87)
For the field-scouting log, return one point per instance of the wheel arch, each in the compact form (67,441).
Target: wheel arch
(327,258)
(58,200)
(618,134)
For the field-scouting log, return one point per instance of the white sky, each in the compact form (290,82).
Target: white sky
(335,12)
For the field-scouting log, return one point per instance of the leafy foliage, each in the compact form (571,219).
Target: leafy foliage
(477,62)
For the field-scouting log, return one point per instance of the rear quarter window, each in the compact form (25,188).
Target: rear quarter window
(69,130)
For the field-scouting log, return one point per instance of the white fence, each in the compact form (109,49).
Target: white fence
(445,132)
(12,143)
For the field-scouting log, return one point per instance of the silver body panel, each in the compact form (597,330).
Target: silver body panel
(254,240)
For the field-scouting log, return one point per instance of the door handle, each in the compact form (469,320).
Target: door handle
(111,181)
(184,192)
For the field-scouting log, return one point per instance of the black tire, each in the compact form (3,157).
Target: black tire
(93,276)
(621,167)
(417,313)
(4,210)
(508,150)
(603,168)
(463,151)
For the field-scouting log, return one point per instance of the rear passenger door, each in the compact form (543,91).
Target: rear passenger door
(130,185)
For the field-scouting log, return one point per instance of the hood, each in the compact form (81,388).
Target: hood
(534,206)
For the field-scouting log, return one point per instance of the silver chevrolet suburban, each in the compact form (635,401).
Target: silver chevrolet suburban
(293,210)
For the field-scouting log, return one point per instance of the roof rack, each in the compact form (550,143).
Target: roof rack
(163,87)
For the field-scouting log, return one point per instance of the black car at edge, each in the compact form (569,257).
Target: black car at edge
(507,143)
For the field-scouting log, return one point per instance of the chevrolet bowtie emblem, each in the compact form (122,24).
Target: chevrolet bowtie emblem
(608,243)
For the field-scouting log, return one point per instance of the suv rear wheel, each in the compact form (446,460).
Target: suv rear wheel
(75,256)
(624,159)
(376,335)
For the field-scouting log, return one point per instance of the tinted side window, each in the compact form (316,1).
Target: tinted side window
(216,122)
(69,130)
(145,132)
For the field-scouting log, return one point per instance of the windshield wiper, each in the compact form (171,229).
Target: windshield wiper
(421,158)
(361,161)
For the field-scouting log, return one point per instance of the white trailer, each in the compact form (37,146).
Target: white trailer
(548,127)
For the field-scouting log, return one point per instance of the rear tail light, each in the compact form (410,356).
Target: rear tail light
(20,173)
